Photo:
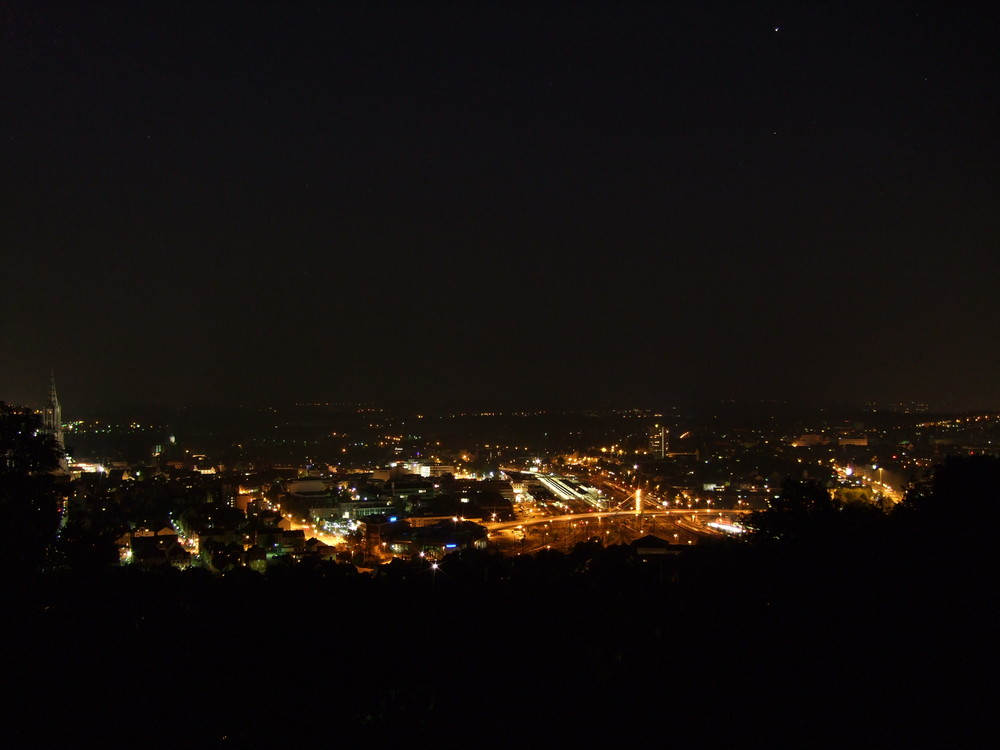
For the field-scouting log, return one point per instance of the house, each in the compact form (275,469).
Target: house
(278,542)
(154,551)
(654,546)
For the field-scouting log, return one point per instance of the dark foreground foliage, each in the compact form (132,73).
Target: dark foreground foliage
(29,493)
(736,647)
(877,637)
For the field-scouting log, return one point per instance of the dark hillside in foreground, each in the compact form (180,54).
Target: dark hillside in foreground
(728,643)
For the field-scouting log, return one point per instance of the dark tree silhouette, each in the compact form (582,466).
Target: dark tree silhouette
(29,493)
(952,511)
(794,512)
(967,485)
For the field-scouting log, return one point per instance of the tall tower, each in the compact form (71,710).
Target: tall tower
(52,423)
(52,415)
(659,437)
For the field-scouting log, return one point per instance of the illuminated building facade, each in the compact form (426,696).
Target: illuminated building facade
(659,438)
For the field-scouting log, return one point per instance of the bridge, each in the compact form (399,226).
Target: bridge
(675,513)
(678,526)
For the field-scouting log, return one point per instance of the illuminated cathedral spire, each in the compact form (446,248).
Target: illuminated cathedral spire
(52,415)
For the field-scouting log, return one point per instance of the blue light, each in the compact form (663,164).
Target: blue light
(450,546)
(392,519)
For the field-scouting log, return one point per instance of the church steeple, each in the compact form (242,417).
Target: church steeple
(52,415)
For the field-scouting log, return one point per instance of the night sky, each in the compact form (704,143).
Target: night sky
(522,203)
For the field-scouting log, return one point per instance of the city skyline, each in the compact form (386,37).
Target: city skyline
(569,204)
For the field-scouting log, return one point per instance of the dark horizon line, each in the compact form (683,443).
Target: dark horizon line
(437,408)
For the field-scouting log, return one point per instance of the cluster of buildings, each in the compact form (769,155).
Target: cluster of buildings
(183,508)
(401,510)
(255,544)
